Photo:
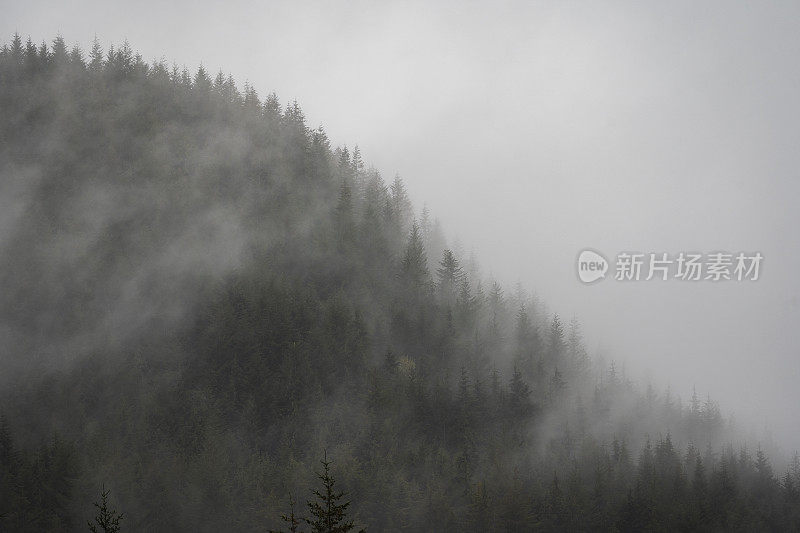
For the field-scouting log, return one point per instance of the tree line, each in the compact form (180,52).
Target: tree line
(205,296)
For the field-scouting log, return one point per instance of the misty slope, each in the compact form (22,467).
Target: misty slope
(198,295)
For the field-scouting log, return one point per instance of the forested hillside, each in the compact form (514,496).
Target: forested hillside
(200,298)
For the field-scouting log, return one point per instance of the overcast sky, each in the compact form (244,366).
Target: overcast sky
(535,130)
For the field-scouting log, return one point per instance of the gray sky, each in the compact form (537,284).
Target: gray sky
(538,129)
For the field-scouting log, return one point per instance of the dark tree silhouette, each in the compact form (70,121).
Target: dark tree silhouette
(107,519)
(291,520)
(329,512)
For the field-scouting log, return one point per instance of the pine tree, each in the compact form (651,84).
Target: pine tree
(401,204)
(345,166)
(374,196)
(358,164)
(231,92)
(76,57)
(202,83)
(415,263)
(59,54)
(556,343)
(294,117)
(107,519)
(125,58)
(555,506)
(16,48)
(450,274)
(527,348)
(329,513)
(695,405)
(219,84)
(251,103)
(272,108)
(44,54)
(519,394)
(425,225)
(435,243)
(467,303)
(765,482)
(96,60)
(344,212)
(575,347)
(292,520)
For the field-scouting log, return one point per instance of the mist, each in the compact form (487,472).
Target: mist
(539,130)
(531,131)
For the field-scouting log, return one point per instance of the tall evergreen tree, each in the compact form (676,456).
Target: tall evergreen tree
(555,344)
(96,59)
(272,108)
(449,275)
(107,519)
(328,512)
(401,204)
(519,393)
(415,263)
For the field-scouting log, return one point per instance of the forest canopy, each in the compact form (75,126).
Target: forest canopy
(200,297)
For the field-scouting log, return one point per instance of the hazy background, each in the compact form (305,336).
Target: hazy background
(535,130)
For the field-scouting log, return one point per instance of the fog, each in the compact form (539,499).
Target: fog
(538,130)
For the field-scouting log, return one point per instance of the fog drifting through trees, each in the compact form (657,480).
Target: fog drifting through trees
(551,126)
(202,295)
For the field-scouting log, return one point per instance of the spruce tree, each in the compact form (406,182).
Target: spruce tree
(292,520)
(556,343)
(401,204)
(519,394)
(329,512)
(107,520)
(96,59)
(272,108)
(415,264)
(450,274)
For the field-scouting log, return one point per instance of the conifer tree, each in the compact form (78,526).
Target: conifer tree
(96,56)
(202,83)
(519,394)
(415,263)
(450,274)
(252,103)
(76,57)
(107,520)
(357,163)
(59,53)
(556,343)
(328,512)
(344,212)
(294,117)
(577,352)
(292,520)
(16,48)
(401,204)
(272,108)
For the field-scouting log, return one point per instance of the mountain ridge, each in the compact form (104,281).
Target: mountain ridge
(203,296)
